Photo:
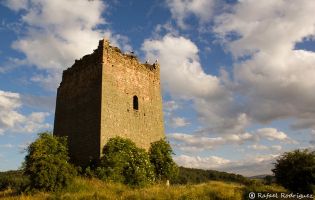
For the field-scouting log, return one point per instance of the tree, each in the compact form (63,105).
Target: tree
(124,162)
(268,180)
(160,154)
(296,171)
(46,163)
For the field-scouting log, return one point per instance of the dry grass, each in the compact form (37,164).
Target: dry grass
(96,189)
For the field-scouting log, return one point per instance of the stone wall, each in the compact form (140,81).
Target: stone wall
(123,78)
(78,107)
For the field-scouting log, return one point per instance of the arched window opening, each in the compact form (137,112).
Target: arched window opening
(135,103)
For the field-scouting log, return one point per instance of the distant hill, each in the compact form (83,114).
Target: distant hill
(193,176)
(262,176)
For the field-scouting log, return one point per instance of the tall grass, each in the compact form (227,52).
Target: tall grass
(83,188)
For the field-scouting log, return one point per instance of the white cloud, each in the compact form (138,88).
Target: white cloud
(271,134)
(183,77)
(187,142)
(58,32)
(178,122)
(181,72)
(192,143)
(9,102)
(182,9)
(260,147)
(275,79)
(250,166)
(11,120)
(211,162)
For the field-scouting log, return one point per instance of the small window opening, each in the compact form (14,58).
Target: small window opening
(135,103)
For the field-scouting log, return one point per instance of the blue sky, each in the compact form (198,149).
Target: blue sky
(238,77)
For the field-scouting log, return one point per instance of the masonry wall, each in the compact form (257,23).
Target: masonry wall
(123,78)
(78,108)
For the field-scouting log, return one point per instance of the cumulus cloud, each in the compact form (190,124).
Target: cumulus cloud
(191,143)
(250,166)
(181,72)
(211,162)
(12,120)
(178,122)
(58,32)
(183,77)
(187,142)
(272,134)
(182,9)
(276,80)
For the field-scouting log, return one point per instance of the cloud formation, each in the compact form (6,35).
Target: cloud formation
(191,143)
(178,122)
(182,9)
(211,162)
(12,120)
(200,143)
(183,77)
(247,167)
(53,41)
(275,78)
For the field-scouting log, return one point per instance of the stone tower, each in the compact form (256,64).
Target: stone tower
(107,94)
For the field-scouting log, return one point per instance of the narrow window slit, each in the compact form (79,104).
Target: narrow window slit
(135,103)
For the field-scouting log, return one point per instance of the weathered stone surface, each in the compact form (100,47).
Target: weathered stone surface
(95,101)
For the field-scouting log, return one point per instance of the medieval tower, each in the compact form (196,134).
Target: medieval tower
(107,94)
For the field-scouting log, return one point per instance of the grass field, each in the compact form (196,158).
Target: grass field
(83,188)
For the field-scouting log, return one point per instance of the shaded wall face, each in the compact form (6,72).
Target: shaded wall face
(124,80)
(78,109)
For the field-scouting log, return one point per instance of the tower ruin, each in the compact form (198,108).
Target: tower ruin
(106,94)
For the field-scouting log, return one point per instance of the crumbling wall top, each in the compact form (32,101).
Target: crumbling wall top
(96,59)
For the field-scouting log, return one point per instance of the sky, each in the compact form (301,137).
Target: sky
(238,77)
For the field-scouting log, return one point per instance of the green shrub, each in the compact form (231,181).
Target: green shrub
(160,154)
(14,180)
(46,163)
(124,162)
(296,171)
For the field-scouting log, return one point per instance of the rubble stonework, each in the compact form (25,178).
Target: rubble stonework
(107,94)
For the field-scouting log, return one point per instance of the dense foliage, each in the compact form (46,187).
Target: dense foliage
(296,171)
(46,163)
(160,154)
(124,162)
(14,180)
(193,176)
